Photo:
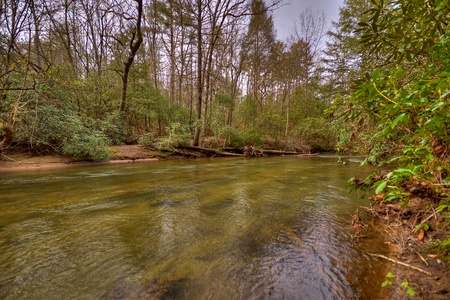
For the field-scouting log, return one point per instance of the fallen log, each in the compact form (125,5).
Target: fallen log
(265,151)
(240,152)
(211,152)
(279,152)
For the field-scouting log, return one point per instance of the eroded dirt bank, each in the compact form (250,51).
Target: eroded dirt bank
(415,262)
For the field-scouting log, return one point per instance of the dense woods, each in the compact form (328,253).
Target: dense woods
(78,76)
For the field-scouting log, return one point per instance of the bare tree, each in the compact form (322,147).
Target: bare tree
(135,43)
(310,27)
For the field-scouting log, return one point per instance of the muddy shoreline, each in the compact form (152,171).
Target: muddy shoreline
(412,262)
(53,163)
(19,162)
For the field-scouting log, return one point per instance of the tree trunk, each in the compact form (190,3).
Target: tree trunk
(134,47)
(6,136)
(198,111)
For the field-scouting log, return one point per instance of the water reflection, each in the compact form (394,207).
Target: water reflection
(205,229)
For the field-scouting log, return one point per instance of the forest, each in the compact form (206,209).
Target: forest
(78,76)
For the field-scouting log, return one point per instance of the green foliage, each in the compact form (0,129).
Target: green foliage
(178,135)
(231,135)
(253,136)
(409,290)
(86,144)
(444,206)
(408,94)
(405,284)
(389,279)
(317,132)
(443,248)
(95,96)
(248,111)
(352,126)
(112,126)
(305,103)
(44,128)
(146,141)
(272,124)
(51,124)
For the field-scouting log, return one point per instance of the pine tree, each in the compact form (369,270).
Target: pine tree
(258,48)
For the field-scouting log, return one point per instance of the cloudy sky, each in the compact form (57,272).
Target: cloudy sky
(285,16)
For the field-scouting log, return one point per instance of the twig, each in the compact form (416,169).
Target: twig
(9,158)
(424,221)
(400,263)
(421,257)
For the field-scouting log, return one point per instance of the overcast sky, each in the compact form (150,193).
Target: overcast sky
(285,16)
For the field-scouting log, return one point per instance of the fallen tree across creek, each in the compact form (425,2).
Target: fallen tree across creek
(247,151)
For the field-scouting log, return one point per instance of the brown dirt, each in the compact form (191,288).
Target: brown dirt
(410,247)
(20,161)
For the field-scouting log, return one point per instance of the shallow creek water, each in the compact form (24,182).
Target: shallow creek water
(273,228)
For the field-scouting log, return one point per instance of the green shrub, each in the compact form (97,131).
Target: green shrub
(113,128)
(178,135)
(253,136)
(317,132)
(87,145)
(84,142)
(146,140)
(44,128)
(231,135)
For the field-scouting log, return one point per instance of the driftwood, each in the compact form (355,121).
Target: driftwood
(211,152)
(278,152)
(247,151)
(268,152)
(399,263)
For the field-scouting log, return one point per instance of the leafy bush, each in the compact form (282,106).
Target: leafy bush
(253,136)
(231,135)
(113,128)
(146,140)
(44,128)
(178,135)
(54,127)
(84,145)
(317,132)
(273,124)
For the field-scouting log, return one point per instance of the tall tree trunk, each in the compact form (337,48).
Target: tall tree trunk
(134,47)
(198,111)
(172,59)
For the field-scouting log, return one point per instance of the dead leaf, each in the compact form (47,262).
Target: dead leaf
(421,235)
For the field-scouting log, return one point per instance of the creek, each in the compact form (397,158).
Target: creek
(272,228)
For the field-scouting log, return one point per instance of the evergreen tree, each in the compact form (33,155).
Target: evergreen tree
(345,56)
(257,49)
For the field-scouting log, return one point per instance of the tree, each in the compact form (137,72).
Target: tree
(257,49)
(135,42)
(408,89)
(345,55)
(345,62)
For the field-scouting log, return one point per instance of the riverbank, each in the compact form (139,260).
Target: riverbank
(19,161)
(417,267)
